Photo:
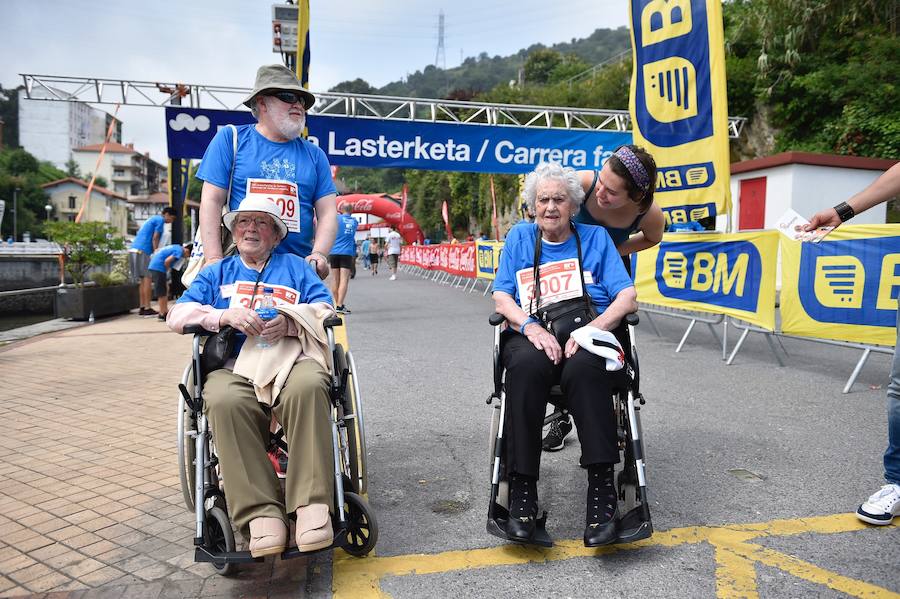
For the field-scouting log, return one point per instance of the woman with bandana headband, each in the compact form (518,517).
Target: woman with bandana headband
(619,198)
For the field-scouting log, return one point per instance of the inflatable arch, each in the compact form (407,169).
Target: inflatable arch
(388,208)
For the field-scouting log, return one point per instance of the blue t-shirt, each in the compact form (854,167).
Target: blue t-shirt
(683,227)
(365,247)
(298,161)
(230,282)
(144,239)
(158,260)
(345,241)
(600,261)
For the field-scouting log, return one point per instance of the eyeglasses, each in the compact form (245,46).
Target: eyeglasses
(261,222)
(289,97)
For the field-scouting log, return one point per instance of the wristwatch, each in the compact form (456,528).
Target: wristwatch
(844,211)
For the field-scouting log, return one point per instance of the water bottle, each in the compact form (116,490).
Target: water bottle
(266,311)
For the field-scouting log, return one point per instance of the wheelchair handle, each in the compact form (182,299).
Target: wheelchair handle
(632,319)
(496,319)
(333,321)
(196,329)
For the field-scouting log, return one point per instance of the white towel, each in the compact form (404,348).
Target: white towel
(602,343)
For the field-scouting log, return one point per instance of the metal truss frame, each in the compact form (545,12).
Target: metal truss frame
(95,90)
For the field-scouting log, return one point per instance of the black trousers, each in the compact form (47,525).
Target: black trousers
(588,388)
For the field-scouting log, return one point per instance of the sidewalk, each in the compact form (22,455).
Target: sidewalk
(90,501)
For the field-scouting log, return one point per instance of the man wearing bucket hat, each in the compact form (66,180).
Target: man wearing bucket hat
(270,160)
(225,293)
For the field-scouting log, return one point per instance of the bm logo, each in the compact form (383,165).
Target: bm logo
(673,105)
(486,259)
(851,282)
(722,274)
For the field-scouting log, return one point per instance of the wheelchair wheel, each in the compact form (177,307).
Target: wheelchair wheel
(356,432)
(187,451)
(220,537)
(362,528)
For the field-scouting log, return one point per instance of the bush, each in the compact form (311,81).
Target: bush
(84,245)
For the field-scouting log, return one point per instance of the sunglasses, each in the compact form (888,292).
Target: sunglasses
(289,97)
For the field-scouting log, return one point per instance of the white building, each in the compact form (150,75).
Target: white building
(49,130)
(763,189)
(127,171)
(67,196)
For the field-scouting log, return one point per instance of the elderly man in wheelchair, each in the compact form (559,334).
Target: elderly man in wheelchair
(562,289)
(279,366)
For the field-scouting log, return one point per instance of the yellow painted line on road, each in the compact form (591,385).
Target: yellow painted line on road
(735,558)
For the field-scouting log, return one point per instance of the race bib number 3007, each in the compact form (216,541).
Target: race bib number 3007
(560,281)
(242,295)
(281,193)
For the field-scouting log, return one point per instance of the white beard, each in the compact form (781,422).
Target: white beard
(288,128)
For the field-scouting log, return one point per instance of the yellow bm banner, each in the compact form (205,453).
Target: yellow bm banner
(488,258)
(732,274)
(844,287)
(678,104)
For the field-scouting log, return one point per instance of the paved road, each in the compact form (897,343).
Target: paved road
(101,466)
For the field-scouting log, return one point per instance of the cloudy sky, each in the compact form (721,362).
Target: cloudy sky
(222,42)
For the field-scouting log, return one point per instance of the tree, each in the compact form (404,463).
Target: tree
(540,65)
(73,169)
(98,181)
(9,114)
(357,86)
(21,177)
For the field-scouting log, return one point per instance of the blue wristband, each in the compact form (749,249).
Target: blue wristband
(528,321)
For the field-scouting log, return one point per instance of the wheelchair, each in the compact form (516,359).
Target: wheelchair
(634,524)
(355,526)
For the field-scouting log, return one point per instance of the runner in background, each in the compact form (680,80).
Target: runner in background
(342,256)
(619,198)
(393,252)
(274,163)
(374,251)
(365,252)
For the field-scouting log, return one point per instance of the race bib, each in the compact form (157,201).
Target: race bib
(281,193)
(243,292)
(559,281)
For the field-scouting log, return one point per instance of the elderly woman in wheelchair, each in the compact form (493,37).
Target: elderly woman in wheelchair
(279,367)
(561,287)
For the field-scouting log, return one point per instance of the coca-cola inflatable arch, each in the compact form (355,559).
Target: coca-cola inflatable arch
(387,208)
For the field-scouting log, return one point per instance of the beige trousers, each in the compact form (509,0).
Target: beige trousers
(240,429)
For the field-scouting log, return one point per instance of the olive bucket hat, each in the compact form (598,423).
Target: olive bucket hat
(276,77)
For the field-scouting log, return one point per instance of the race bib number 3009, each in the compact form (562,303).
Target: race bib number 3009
(281,193)
(560,281)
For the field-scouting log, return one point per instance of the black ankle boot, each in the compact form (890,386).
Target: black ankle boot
(602,506)
(522,507)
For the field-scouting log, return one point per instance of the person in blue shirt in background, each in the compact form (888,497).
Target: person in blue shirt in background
(688,227)
(143,246)
(160,264)
(365,253)
(342,256)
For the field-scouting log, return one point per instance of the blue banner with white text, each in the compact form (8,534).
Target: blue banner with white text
(376,143)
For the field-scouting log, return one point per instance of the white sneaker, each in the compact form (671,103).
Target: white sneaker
(393,278)
(881,507)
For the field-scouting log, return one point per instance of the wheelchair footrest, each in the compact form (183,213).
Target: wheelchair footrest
(497,527)
(201,554)
(633,527)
